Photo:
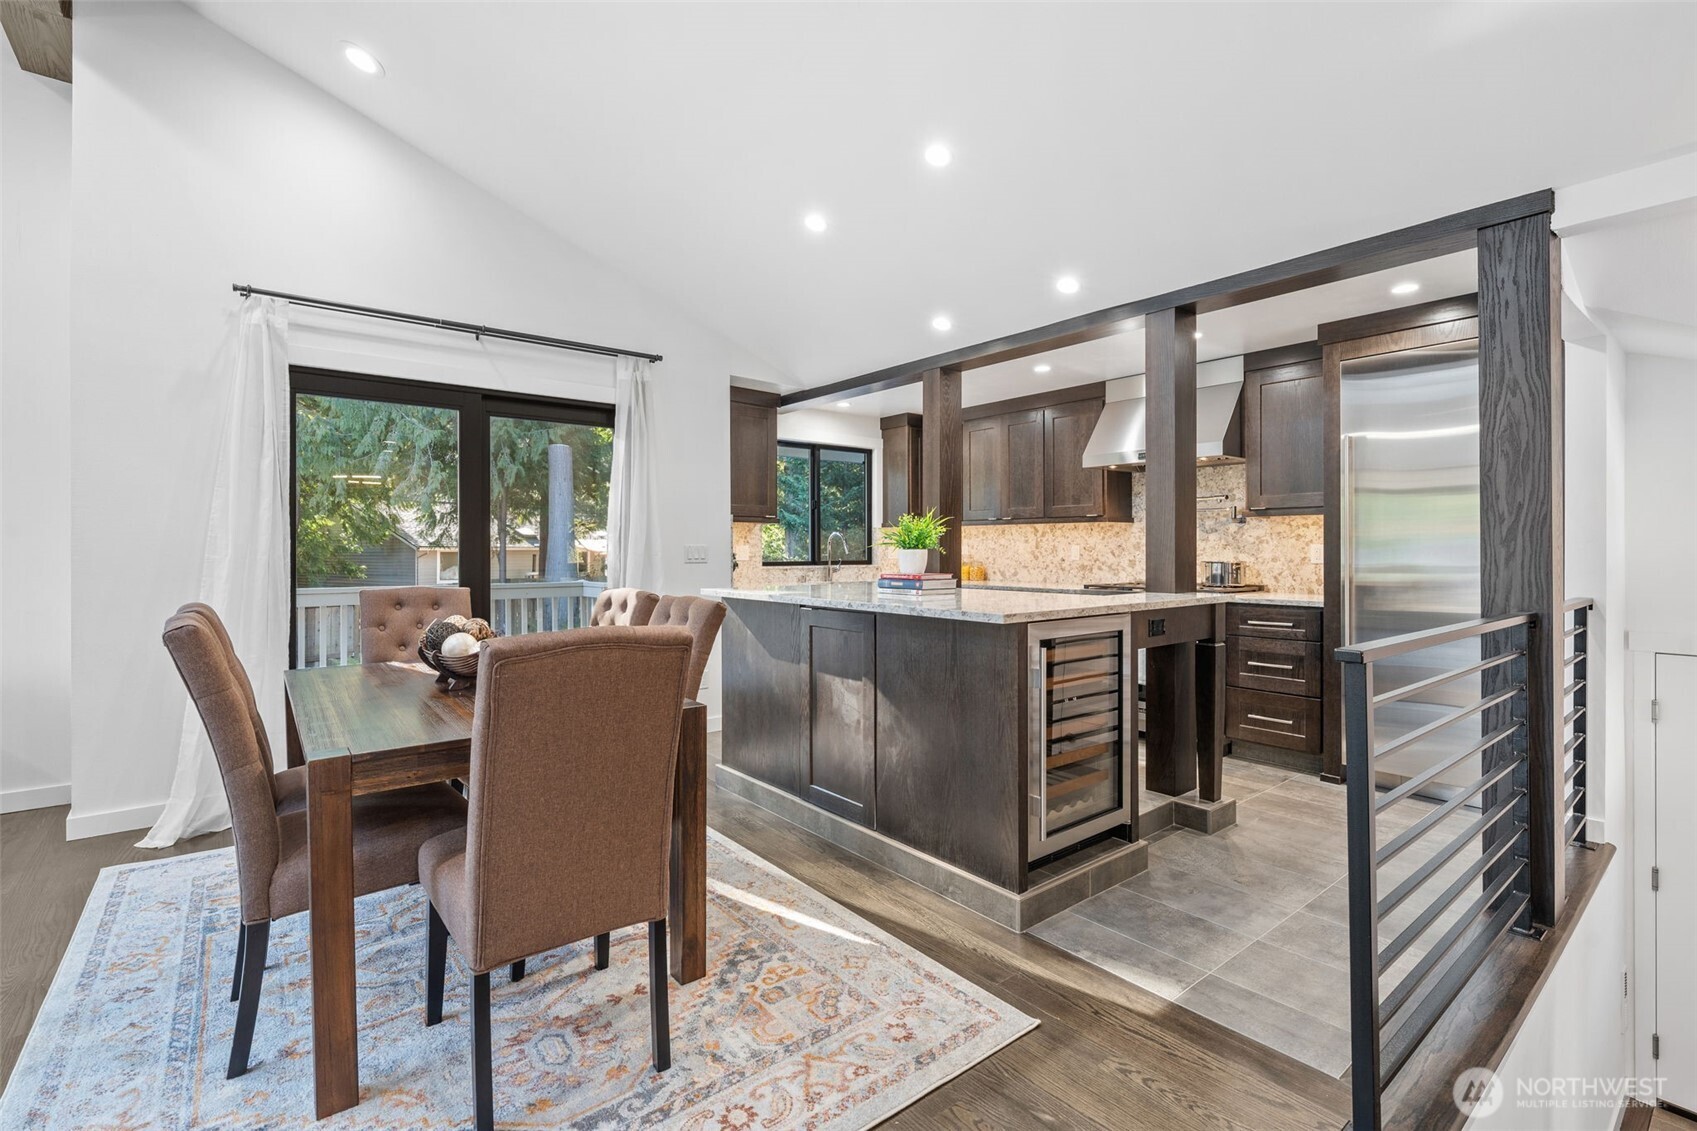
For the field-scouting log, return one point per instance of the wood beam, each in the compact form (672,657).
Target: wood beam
(40,34)
(1447,234)
(940,461)
(1521,485)
(1169,485)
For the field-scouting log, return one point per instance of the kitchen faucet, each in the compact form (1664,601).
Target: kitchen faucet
(831,569)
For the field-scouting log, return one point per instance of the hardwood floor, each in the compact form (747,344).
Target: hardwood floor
(1108,1054)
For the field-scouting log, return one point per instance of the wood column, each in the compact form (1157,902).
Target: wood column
(1521,472)
(1169,485)
(940,461)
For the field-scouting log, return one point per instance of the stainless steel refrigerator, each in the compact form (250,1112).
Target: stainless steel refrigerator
(1410,519)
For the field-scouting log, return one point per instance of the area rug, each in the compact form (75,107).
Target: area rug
(809,1017)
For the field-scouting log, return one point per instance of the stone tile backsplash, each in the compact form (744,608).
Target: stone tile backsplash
(1274,550)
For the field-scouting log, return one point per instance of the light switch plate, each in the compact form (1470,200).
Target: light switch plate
(694,554)
(1317,553)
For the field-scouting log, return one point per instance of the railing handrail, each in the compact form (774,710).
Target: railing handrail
(1372,651)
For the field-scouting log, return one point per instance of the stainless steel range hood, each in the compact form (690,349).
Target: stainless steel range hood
(1120,439)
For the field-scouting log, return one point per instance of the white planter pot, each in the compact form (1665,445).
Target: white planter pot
(912,561)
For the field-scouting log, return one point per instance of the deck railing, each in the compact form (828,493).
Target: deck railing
(1494,809)
(326,630)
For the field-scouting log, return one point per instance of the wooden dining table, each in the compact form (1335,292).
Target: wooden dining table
(375,727)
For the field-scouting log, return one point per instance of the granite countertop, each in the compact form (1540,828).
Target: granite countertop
(1253,597)
(977,603)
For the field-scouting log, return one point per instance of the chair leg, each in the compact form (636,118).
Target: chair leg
(518,970)
(257,937)
(603,950)
(483,1067)
(659,1015)
(436,968)
(241,949)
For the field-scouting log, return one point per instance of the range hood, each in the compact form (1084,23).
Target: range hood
(1120,439)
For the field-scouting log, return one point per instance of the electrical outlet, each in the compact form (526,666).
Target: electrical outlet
(1317,553)
(694,554)
(1074,552)
(1157,626)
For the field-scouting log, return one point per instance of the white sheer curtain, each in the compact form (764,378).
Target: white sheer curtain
(632,542)
(244,572)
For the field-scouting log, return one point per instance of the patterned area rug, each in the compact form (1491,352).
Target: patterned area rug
(809,1017)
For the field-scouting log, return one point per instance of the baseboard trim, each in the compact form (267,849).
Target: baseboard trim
(136,818)
(36,797)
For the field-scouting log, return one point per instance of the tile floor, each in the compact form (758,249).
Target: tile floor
(1249,927)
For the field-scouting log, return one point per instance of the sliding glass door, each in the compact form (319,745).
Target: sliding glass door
(390,477)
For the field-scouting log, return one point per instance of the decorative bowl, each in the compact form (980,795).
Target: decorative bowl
(449,668)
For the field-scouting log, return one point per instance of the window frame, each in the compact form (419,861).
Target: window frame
(475,407)
(814,557)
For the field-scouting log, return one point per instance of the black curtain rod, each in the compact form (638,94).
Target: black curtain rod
(444,324)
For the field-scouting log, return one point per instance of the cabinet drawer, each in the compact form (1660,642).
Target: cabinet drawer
(1275,622)
(1289,721)
(1289,667)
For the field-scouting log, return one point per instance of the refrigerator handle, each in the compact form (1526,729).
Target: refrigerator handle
(1346,542)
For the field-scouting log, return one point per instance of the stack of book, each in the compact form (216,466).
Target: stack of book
(915,586)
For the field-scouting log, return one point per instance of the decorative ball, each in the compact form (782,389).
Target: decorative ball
(479,628)
(438,631)
(456,620)
(460,644)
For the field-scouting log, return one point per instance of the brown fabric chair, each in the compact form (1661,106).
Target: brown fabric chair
(702,616)
(623,606)
(391,621)
(573,749)
(268,812)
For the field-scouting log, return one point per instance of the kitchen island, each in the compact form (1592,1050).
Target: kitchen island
(982,743)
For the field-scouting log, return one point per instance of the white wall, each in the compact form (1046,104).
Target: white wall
(35,463)
(1661,471)
(198,163)
(852,430)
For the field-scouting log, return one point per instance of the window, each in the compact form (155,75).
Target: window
(822,490)
(391,477)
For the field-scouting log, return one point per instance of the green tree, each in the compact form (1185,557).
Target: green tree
(518,479)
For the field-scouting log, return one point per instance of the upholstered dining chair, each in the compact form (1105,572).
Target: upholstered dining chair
(268,811)
(623,606)
(702,616)
(573,750)
(391,621)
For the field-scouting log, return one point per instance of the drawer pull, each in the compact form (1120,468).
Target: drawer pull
(1271,719)
(1275,667)
(1272,623)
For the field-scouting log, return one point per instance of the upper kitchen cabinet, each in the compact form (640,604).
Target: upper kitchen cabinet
(902,461)
(1023,461)
(1284,416)
(754,455)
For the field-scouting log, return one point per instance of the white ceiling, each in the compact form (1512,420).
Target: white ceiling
(1141,147)
(1637,276)
(1280,321)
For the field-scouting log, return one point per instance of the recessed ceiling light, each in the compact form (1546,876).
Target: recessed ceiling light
(845,404)
(1405,288)
(815,222)
(942,324)
(1040,369)
(937,155)
(1197,335)
(1067,284)
(362,59)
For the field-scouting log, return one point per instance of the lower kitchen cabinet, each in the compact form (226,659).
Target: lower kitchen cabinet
(1275,677)
(841,652)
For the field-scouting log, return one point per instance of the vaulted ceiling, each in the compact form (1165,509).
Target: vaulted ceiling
(1139,147)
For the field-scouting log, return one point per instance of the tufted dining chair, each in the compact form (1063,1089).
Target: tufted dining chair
(573,752)
(702,616)
(268,812)
(623,606)
(391,621)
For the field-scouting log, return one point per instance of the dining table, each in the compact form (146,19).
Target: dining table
(367,728)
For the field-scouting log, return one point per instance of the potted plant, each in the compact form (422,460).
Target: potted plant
(914,536)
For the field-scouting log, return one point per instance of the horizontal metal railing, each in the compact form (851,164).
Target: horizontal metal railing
(1388,1025)
(1575,748)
